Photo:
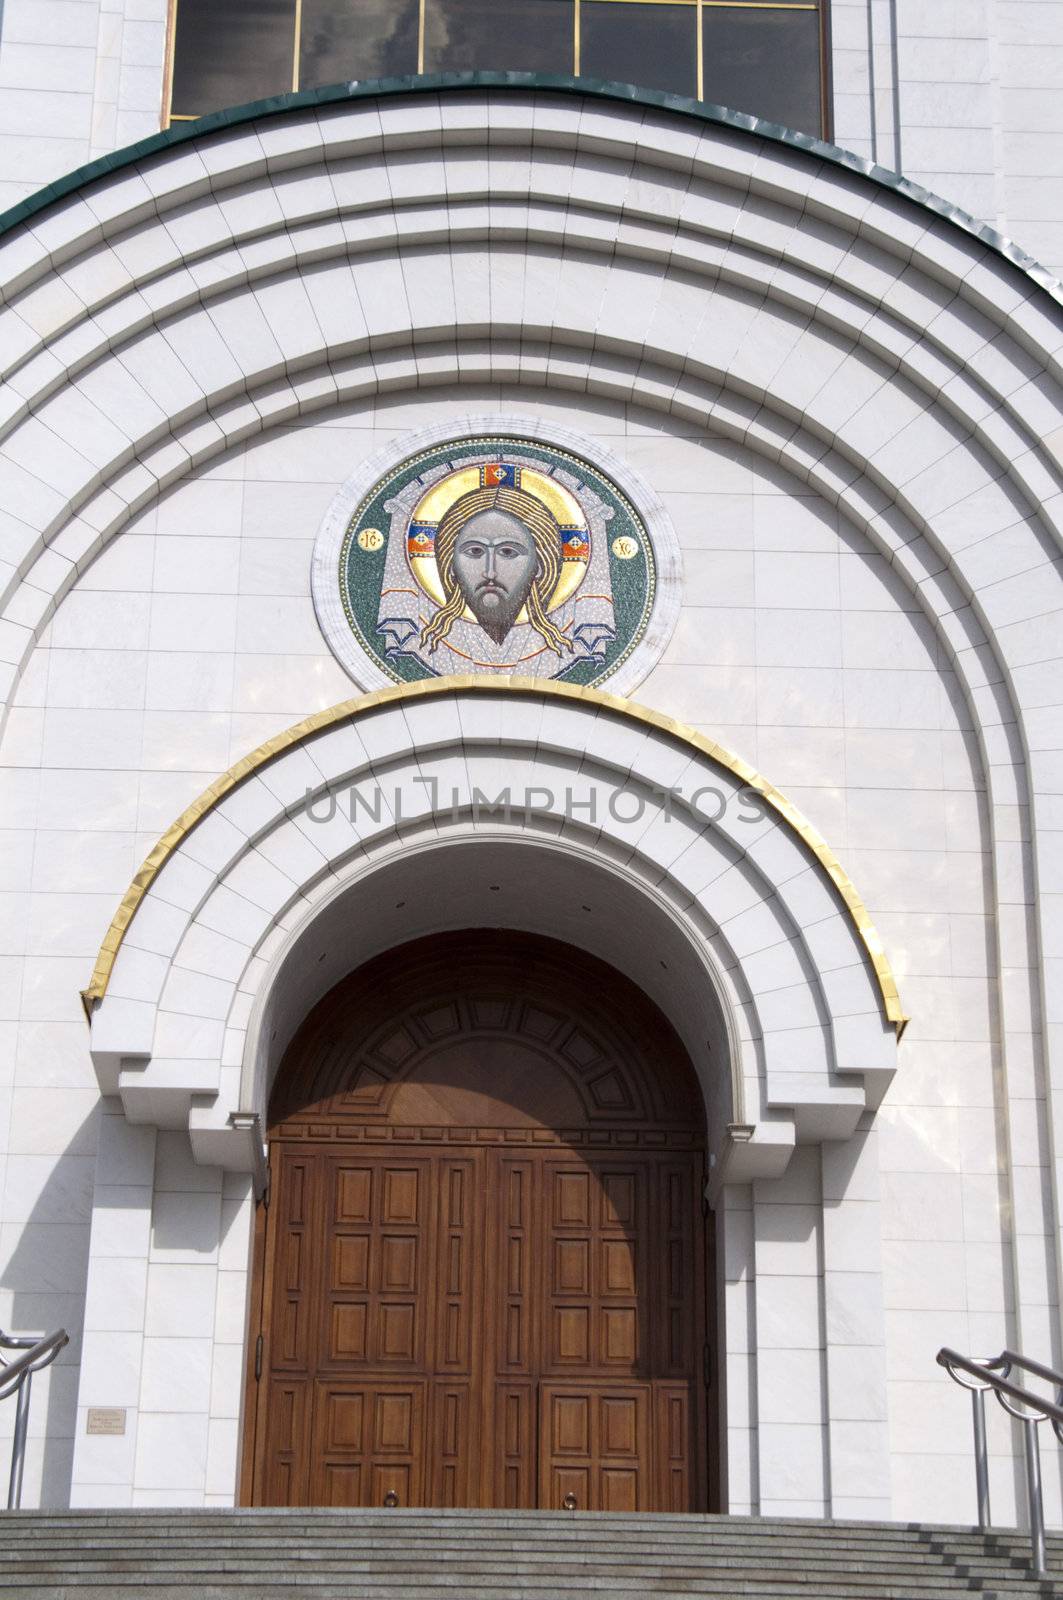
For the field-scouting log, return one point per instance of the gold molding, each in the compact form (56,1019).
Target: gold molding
(297,45)
(348,710)
(168,66)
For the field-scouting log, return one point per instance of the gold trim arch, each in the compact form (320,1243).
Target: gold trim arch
(349,710)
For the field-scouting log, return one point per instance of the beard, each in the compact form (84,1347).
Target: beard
(496,611)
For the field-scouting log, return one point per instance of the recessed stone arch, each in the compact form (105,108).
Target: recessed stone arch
(790,1011)
(752,941)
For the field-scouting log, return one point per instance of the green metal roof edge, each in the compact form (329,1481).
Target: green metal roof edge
(594,88)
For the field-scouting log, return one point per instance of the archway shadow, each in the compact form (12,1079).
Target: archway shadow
(44,1280)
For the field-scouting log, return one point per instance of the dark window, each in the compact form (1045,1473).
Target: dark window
(343,39)
(229,51)
(763,57)
(499,35)
(765,62)
(655,45)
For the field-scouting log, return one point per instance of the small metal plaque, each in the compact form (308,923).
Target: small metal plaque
(105,1419)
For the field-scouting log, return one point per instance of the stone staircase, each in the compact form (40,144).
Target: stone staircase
(477,1555)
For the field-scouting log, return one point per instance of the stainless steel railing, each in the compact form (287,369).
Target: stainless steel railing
(16,1377)
(980,1374)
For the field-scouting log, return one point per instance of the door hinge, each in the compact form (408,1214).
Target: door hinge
(258,1358)
(707,1364)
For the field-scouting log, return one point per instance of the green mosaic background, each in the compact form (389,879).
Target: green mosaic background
(361,572)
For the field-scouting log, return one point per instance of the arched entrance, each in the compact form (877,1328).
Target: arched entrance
(481,1278)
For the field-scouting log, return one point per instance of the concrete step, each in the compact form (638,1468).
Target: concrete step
(451,1546)
(418,1558)
(469,1585)
(502,1526)
(526,1578)
(573,1549)
(412,1554)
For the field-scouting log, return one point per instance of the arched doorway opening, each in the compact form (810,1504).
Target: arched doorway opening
(482,1276)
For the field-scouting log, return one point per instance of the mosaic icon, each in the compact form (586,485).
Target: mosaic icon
(497,555)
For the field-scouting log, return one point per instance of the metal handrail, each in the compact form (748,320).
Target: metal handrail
(994,1373)
(16,1377)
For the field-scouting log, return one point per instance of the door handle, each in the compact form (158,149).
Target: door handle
(391,1499)
(569,1502)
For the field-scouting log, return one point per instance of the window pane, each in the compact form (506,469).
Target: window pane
(765,63)
(227,53)
(651,45)
(499,35)
(357,39)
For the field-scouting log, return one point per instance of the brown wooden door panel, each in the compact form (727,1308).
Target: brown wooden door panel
(376,1246)
(597,1216)
(511,1211)
(511,1468)
(292,1276)
(677,1434)
(287,1452)
(368,1438)
(457,1302)
(482,1276)
(453,1456)
(680,1284)
(595,1443)
(507,1290)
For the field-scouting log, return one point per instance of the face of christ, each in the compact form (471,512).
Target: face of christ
(495,562)
(498,549)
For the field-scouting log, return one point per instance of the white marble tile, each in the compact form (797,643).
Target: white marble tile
(193,563)
(100,619)
(175,1375)
(182,622)
(121,1221)
(54,1121)
(116,1295)
(177,1172)
(223,1444)
(231,1314)
(185,1228)
(928,1276)
(180,1296)
(42,1189)
(787,1242)
(789,1387)
(111,1369)
(792,1467)
(171,1452)
(228,1365)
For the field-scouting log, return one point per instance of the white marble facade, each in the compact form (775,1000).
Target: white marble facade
(963,98)
(847,408)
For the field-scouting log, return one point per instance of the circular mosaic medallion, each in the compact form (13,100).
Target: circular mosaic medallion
(490,553)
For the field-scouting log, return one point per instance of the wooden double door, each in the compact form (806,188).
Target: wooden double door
(497,1315)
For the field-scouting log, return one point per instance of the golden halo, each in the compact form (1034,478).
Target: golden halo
(437,501)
